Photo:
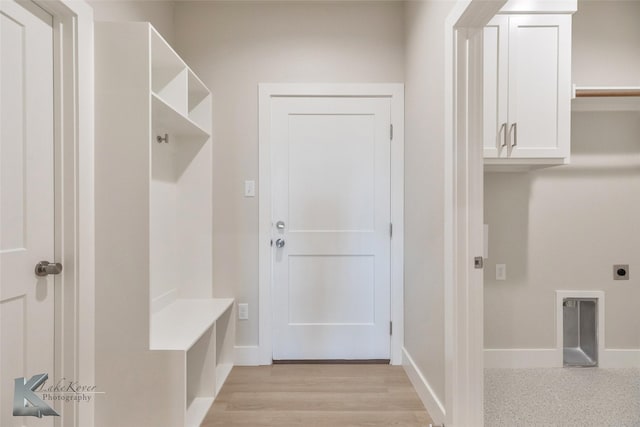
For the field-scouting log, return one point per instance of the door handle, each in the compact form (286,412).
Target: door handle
(280,243)
(514,126)
(503,131)
(44,268)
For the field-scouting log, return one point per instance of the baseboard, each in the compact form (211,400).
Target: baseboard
(246,355)
(620,358)
(433,405)
(549,358)
(522,358)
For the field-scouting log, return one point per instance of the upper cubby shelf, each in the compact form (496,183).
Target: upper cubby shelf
(606,98)
(168,74)
(167,120)
(174,83)
(199,101)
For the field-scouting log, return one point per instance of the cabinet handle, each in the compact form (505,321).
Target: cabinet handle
(503,131)
(514,126)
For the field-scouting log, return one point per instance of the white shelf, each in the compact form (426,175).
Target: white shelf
(166,119)
(179,325)
(197,411)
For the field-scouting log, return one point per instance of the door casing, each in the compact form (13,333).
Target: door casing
(463,196)
(262,353)
(74,199)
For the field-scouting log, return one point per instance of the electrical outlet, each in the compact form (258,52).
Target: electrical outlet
(621,272)
(501,271)
(243,311)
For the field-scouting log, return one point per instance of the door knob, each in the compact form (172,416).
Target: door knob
(44,268)
(280,243)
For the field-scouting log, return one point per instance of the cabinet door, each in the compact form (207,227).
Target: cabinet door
(495,86)
(539,86)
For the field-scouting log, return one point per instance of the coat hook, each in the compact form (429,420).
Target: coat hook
(164,139)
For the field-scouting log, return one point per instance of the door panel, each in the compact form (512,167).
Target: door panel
(539,85)
(496,82)
(26,202)
(331,290)
(321,163)
(331,188)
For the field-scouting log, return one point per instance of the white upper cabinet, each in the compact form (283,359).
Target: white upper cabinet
(527,89)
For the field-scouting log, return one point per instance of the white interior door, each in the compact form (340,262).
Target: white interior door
(26,201)
(331,193)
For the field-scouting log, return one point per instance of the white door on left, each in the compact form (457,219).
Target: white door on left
(26,202)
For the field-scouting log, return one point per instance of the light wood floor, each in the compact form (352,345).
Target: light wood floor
(317,395)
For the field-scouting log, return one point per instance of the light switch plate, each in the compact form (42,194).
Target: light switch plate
(249,189)
(243,311)
(501,271)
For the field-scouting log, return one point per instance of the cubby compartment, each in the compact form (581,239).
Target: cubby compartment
(178,176)
(169,75)
(224,347)
(199,102)
(180,229)
(580,332)
(201,377)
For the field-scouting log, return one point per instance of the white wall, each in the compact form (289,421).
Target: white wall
(424,188)
(606,43)
(158,12)
(564,227)
(233,46)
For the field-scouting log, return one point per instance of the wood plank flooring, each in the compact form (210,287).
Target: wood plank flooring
(317,395)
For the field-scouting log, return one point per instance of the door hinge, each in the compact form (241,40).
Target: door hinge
(390,328)
(390,229)
(391,132)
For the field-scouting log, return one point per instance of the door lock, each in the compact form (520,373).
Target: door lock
(280,225)
(280,243)
(44,268)
(478,262)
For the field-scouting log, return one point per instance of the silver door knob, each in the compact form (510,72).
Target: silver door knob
(44,268)
(280,225)
(280,243)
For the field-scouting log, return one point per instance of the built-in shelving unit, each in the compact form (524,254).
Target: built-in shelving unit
(163,341)
(606,98)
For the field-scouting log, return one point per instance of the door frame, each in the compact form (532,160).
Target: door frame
(464,193)
(74,352)
(262,354)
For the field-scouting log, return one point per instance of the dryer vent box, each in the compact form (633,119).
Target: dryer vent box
(580,336)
